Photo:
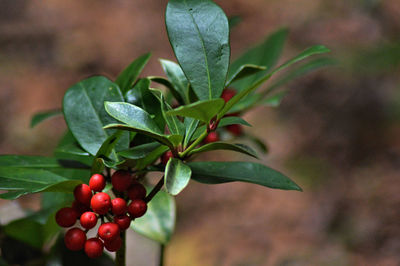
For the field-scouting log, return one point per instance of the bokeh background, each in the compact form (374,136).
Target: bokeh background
(337,133)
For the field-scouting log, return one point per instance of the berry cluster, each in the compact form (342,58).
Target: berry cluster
(91,205)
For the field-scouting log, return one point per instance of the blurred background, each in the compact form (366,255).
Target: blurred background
(337,133)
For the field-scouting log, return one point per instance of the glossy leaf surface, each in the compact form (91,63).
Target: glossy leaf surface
(159,221)
(222,172)
(129,75)
(177,78)
(201,110)
(84,112)
(220,145)
(198,31)
(42,116)
(177,176)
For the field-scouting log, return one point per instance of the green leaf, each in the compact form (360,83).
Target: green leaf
(22,181)
(107,148)
(42,116)
(198,31)
(265,54)
(257,142)
(22,161)
(175,126)
(177,77)
(69,149)
(317,49)
(129,75)
(151,157)
(142,97)
(177,176)
(222,172)
(243,72)
(136,119)
(232,120)
(191,126)
(26,230)
(220,145)
(84,112)
(300,71)
(140,151)
(169,85)
(201,110)
(133,116)
(159,221)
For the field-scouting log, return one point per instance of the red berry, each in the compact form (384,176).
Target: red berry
(75,239)
(94,247)
(121,180)
(137,208)
(166,156)
(108,231)
(137,191)
(211,137)
(97,182)
(66,217)
(123,221)
(79,207)
(113,245)
(227,94)
(101,203)
(236,129)
(83,193)
(118,206)
(88,220)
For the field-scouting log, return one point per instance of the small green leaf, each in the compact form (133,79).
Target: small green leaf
(133,116)
(317,49)
(107,148)
(136,119)
(300,71)
(140,151)
(69,149)
(198,31)
(84,112)
(222,172)
(26,230)
(201,110)
(159,221)
(191,126)
(177,176)
(243,72)
(42,116)
(22,181)
(156,136)
(151,157)
(169,85)
(28,161)
(129,75)
(177,77)
(233,120)
(141,96)
(265,54)
(175,126)
(220,145)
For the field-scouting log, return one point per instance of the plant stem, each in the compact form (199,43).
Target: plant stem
(162,249)
(194,144)
(120,256)
(155,190)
